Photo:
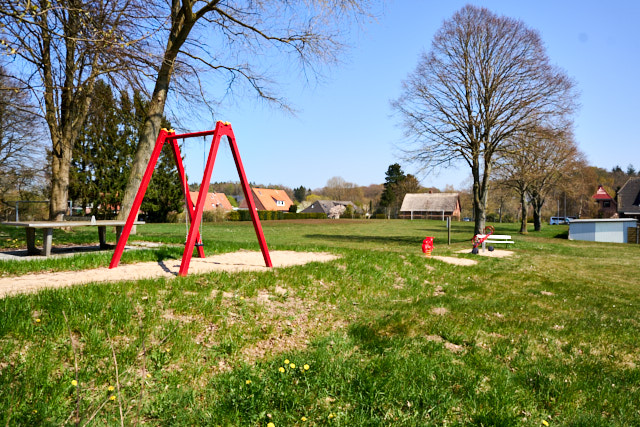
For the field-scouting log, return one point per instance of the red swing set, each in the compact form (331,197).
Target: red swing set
(195,212)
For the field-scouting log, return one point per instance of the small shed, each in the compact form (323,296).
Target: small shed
(430,206)
(601,230)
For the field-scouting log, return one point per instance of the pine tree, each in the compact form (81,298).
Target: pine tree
(103,155)
(389,197)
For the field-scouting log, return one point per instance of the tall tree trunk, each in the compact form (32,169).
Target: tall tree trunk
(478,207)
(537,203)
(523,210)
(181,26)
(149,135)
(60,165)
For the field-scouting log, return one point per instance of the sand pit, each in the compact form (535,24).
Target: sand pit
(496,253)
(229,262)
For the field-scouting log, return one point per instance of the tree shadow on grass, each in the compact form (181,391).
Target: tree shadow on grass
(398,240)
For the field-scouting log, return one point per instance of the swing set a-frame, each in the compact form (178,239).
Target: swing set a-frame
(194,212)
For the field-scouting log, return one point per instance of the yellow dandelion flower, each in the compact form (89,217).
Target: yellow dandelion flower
(293,366)
(544,422)
(303,419)
(281,369)
(74,383)
(306,367)
(148,375)
(112,397)
(332,415)
(247,382)
(111,388)
(37,320)
(271,425)
(35,411)
(286,361)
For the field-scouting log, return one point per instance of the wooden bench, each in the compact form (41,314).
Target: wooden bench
(48,226)
(496,238)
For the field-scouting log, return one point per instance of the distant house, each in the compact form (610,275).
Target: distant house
(267,199)
(629,199)
(607,206)
(430,206)
(212,201)
(325,206)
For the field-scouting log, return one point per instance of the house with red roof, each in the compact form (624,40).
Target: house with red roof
(267,199)
(212,201)
(607,206)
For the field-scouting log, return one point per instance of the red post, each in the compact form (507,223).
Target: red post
(248,194)
(185,189)
(202,194)
(126,230)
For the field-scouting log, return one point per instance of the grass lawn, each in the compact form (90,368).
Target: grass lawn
(381,336)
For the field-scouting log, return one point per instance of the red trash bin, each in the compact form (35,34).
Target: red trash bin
(427,245)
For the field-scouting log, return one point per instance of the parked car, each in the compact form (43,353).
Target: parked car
(466,219)
(557,220)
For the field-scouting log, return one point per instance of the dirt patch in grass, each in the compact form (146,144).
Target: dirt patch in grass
(229,262)
(294,323)
(456,261)
(439,311)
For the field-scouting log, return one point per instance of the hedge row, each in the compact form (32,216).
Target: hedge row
(244,215)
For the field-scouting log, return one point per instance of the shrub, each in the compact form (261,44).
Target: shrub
(233,216)
(216,215)
(175,217)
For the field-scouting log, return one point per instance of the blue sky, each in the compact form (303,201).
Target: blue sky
(345,126)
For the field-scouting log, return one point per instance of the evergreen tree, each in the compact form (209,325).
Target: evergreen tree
(300,193)
(164,194)
(389,198)
(103,155)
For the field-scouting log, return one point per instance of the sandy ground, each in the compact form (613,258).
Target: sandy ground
(230,262)
(497,253)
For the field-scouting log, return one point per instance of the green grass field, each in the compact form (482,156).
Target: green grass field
(382,336)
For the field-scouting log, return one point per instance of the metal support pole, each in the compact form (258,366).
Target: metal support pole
(448,230)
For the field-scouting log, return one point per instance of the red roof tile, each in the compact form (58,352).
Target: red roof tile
(269,200)
(602,194)
(212,201)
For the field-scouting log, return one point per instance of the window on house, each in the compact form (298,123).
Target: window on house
(606,204)
(279,202)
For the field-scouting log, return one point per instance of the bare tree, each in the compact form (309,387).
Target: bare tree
(21,151)
(238,39)
(485,79)
(516,172)
(59,48)
(554,158)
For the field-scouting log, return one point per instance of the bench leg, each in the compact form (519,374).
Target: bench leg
(118,232)
(31,241)
(47,240)
(102,236)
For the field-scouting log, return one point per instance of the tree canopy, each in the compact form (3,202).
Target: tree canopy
(485,79)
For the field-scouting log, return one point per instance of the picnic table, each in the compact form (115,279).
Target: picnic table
(48,226)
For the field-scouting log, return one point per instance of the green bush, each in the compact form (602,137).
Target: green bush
(244,215)
(233,216)
(216,215)
(176,217)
